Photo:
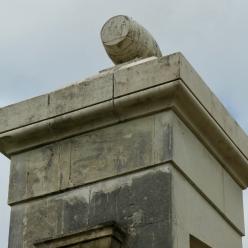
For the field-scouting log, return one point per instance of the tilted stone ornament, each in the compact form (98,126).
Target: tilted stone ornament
(124,40)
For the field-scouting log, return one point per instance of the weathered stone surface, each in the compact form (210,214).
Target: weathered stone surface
(38,171)
(60,127)
(79,95)
(100,158)
(17,226)
(233,201)
(136,76)
(139,76)
(124,40)
(140,88)
(23,113)
(41,220)
(106,153)
(200,166)
(91,157)
(139,203)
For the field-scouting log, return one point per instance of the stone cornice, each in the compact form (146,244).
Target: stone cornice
(120,94)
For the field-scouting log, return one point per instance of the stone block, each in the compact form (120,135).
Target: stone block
(197,163)
(17,226)
(78,96)
(81,95)
(145,144)
(91,157)
(40,170)
(233,201)
(23,113)
(192,214)
(139,76)
(139,203)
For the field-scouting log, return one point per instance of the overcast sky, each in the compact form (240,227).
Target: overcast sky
(46,44)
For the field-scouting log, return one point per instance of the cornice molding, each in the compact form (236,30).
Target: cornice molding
(171,91)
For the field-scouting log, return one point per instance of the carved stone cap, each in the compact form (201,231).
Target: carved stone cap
(124,40)
(107,235)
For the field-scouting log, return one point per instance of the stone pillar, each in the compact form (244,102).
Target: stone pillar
(141,155)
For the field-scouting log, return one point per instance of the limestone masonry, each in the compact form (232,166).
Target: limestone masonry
(141,155)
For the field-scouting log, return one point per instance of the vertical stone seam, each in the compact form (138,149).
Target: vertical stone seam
(174,217)
(88,210)
(170,212)
(60,165)
(48,99)
(223,190)
(171,141)
(115,112)
(153,140)
(70,167)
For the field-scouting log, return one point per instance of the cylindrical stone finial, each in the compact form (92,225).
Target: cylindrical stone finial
(124,40)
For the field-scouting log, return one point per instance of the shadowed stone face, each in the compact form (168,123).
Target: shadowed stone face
(124,40)
(139,203)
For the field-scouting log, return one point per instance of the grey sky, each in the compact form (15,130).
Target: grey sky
(45,44)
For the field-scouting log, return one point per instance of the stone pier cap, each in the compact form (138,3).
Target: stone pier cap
(124,92)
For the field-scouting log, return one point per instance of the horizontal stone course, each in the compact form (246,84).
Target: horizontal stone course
(91,157)
(120,149)
(140,204)
(173,95)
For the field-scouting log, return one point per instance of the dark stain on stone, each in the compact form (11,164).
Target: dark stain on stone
(167,147)
(75,214)
(51,155)
(143,208)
